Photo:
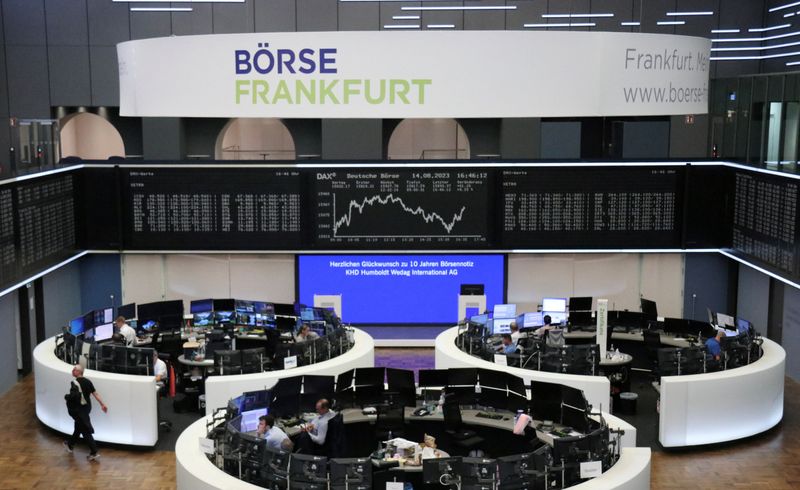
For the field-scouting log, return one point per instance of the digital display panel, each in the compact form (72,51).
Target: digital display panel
(399,289)
(391,208)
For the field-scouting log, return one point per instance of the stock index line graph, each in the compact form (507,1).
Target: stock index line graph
(390,199)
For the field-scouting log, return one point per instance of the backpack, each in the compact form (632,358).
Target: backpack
(74,398)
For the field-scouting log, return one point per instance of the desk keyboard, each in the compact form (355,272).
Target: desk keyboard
(493,416)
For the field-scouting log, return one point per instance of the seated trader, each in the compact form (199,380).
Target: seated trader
(508,346)
(305,334)
(714,345)
(428,449)
(313,433)
(546,327)
(515,333)
(275,437)
(126,330)
(118,339)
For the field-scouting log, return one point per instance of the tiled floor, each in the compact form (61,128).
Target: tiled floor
(405,358)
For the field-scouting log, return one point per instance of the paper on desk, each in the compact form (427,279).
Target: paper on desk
(207,445)
(394,485)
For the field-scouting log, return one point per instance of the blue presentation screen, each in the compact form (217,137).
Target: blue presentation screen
(399,289)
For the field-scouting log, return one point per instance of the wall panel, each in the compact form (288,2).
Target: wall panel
(233,17)
(62,297)
(105,75)
(67,24)
(753,297)
(109,22)
(150,24)
(70,77)
(24,22)
(8,349)
(317,15)
(275,15)
(28,89)
(198,21)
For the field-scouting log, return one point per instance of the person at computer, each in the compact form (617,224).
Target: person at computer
(275,437)
(313,434)
(515,333)
(126,330)
(118,339)
(714,345)
(305,334)
(427,449)
(507,346)
(544,328)
(159,370)
(79,408)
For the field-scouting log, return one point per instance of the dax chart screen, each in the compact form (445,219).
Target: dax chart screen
(412,208)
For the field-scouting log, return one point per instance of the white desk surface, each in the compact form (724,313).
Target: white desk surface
(691,405)
(131,399)
(187,362)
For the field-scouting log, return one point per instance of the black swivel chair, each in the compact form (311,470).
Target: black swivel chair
(335,441)
(652,342)
(463,439)
(390,423)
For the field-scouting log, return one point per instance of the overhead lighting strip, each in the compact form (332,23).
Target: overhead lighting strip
(786,6)
(574,16)
(560,24)
(401,26)
(671,22)
(634,24)
(765,29)
(161,9)
(725,31)
(472,7)
(755,39)
(682,14)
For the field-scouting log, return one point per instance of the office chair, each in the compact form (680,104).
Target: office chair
(463,438)
(390,423)
(335,441)
(652,342)
(163,423)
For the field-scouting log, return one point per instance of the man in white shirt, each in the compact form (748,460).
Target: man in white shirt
(315,432)
(126,330)
(159,369)
(275,437)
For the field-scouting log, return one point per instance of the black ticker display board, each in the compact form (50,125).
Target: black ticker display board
(591,207)
(213,208)
(402,208)
(37,225)
(765,220)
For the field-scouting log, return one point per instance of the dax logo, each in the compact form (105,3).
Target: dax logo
(326,176)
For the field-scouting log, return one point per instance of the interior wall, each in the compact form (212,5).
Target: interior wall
(753,298)
(157,277)
(621,278)
(99,279)
(62,297)
(8,349)
(706,277)
(255,139)
(434,138)
(791,331)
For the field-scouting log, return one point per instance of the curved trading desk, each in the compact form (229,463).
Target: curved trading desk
(691,405)
(124,394)
(220,389)
(195,471)
(597,389)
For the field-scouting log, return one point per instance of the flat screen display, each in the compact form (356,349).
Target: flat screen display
(399,289)
(554,305)
(76,326)
(505,311)
(532,320)
(103,332)
(502,325)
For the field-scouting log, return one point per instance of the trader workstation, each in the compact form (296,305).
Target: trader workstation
(379,245)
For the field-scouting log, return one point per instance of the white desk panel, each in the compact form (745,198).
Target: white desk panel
(597,389)
(220,389)
(132,417)
(692,406)
(631,472)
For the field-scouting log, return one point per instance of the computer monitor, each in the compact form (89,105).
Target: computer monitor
(203,319)
(556,317)
(353,473)
(580,303)
(581,318)
(479,319)
(514,471)
(533,320)
(545,401)
(103,316)
(554,305)
(726,321)
(308,468)
(226,317)
(471,290)
(276,461)
(201,306)
(250,419)
(148,312)
(253,359)
(502,325)
(245,313)
(148,326)
(76,326)
(432,378)
(649,308)
(127,311)
(504,311)
(103,332)
(744,327)
(478,471)
(264,314)
(435,470)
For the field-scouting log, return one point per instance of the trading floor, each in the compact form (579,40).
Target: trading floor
(33,457)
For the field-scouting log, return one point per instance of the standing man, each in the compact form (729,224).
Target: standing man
(126,330)
(314,433)
(79,405)
(275,437)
